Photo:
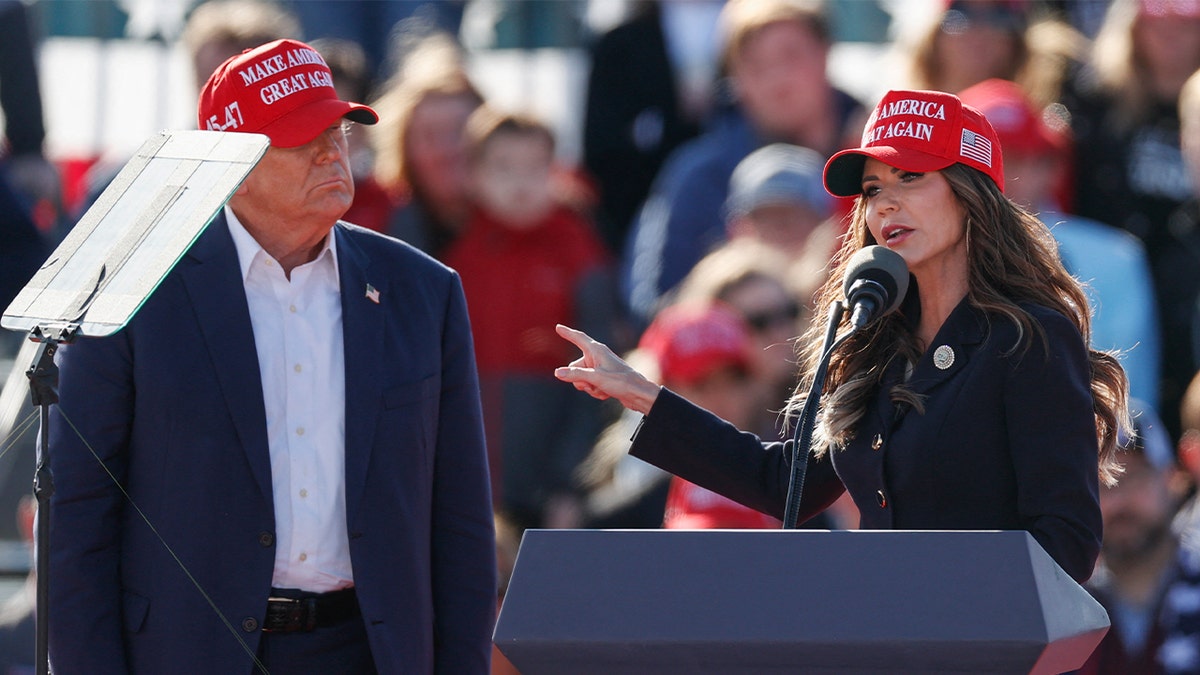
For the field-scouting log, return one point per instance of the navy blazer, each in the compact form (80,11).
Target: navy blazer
(1007,441)
(173,406)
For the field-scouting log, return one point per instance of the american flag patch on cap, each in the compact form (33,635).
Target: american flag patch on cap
(976,147)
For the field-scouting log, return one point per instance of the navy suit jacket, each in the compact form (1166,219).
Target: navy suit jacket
(1007,441)
(173,406)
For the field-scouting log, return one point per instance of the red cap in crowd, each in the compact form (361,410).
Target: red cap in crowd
(918,131)
(690,342)
(1185,9)
(282,89)
(1018,123)
(691,507)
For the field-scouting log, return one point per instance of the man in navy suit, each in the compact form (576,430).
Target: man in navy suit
(278,465)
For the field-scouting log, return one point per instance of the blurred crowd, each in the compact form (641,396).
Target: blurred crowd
(694,228)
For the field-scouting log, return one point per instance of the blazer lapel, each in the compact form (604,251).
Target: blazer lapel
(363,298)
(213,279)
(949,352)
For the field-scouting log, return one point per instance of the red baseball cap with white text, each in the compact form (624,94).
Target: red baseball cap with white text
(918,131)
(282,89)
(692,341)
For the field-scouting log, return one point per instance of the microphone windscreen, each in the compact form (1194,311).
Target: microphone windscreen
(883,266)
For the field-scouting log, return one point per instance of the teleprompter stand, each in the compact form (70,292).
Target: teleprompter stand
(106,268)
(732,602)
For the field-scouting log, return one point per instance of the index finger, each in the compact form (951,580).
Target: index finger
(576,337)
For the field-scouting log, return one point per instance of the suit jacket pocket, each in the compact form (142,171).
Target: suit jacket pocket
(411,392)
(134,608)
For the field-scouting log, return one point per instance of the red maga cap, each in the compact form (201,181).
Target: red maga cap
(282,89)
(918,131)
(692,341)
(1018,123)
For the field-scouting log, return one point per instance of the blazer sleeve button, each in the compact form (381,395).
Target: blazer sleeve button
(249,624)
(266,539)
(881,498)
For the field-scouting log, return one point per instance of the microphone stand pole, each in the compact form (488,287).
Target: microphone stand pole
(802,436)
(43,389)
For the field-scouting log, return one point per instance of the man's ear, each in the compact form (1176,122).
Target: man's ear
(739,226)
(1189,453)
(26,510)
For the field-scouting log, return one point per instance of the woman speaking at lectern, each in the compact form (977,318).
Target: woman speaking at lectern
(976,405)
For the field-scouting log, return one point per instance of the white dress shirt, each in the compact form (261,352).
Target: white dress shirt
(298,335)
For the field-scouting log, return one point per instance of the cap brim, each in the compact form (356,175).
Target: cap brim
(844,171)
(304,123)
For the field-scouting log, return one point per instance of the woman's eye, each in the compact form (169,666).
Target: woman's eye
(909,176)
(870,190)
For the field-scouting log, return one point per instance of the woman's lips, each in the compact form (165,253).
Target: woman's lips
(894,234)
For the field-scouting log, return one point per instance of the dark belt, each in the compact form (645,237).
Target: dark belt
(309,611)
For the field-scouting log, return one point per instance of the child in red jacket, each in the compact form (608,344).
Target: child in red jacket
(527,263)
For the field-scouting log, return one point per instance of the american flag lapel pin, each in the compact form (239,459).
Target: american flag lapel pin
(372,294)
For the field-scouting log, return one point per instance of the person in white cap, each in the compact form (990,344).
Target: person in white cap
(976,406)
(294,477)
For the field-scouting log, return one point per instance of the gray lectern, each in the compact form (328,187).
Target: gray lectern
(792,601)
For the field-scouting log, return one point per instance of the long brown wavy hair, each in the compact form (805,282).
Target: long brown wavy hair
(1012,259)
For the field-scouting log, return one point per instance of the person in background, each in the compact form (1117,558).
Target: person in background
(703,354)
(1125,114)
(30,195)
(23,162)
(1124,109)
(1181,625)
(1176,268)
(420,149)
(527,262)
(965,42)
(651,87)
(776,197)
(1111,262)
(987,350)
(776,53)
(218,29)
(752,279)
(1140,558)
(372,24)
(278,464)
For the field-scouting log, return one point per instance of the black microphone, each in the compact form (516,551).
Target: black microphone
(875,283)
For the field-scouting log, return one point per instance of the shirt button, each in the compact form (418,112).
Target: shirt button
(303,557)
(297,368)
(292,309)
(299,431)
(881,498)
(249,624)
(877,442)
(266,539)
(303,492)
